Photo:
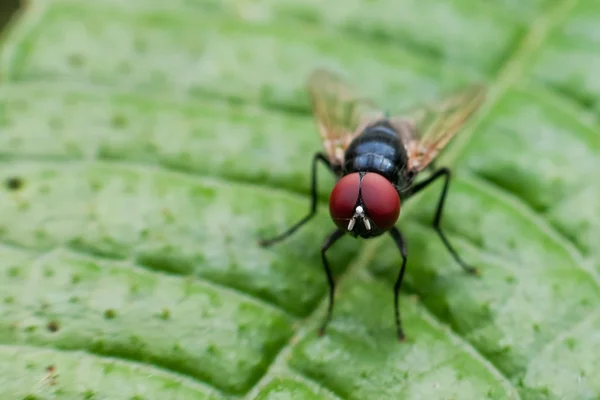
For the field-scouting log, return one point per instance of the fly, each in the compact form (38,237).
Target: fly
(375,159)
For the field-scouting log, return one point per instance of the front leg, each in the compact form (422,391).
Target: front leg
(331,239)
(313,205)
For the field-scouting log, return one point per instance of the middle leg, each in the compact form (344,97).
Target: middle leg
(442,173)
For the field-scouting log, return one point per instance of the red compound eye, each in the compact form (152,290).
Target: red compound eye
(343,199)
(381,200)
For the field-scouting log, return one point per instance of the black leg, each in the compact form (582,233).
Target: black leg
(331,239)
(442,172)
(313,205)
(399,240)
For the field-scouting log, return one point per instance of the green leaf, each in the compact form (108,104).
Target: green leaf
(146,146)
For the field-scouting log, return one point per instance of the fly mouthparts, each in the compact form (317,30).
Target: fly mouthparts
(359,213)
(367,223)
(351,224)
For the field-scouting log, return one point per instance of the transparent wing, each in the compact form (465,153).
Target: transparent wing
(430,129)
(339,112)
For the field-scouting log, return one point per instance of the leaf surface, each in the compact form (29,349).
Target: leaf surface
(146,146)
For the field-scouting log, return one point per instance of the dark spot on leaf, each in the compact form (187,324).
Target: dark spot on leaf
(40,234)
(53,326)
(150,147)
(48,272)
(9,300)
(139,45)
(72,147)
(307,15)
(177,348)
(14,183)
(55,123)
(267,94)
(124,68)
(110,314)
(570,343)
(73,299)
(118,121)
(13,272)
(186,157)
(95,186)
(89,394)
(77,242)
(75,279)
(135,340)
(108,368)
(212,350)
(168,215)
(31,397)
(30,328)
(165,314)
(76,60)
(244,329)
(135,288)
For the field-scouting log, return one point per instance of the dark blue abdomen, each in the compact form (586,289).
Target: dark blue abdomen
(377,149)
